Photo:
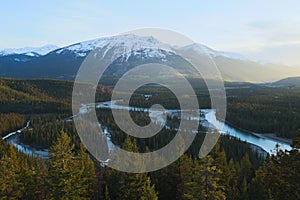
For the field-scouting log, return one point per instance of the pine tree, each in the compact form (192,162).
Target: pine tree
(149,192)
(186,171)
(168,181)
(209,175)
(86,176)
(220,161)
(247,170)
(132,184)
(10,184)
(232,192)
(204,181)
(106,193)
(62,169)
(244,190)
(113,183)
(257,189)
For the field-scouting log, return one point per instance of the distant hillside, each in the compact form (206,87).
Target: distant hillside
(287,82)
(38,96)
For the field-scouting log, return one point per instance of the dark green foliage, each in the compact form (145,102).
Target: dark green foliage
(28,97)
(251,107)
(44,130)
(129,186)
(21,177)
(278,178)
(233,170)
(265,110)
(41,96)
(11,122)
(70,176)
(148,191)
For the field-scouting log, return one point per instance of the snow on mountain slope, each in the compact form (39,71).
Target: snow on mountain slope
(123,43)
(127,44)
(130,44)
(135,50)
(29,51)
(204,50)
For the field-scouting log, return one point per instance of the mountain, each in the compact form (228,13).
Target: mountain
(29,51)
(235,67)
(63,63)
(124,43)
(204,50)
(290,82)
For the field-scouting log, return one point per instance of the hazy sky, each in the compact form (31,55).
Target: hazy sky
(262,30)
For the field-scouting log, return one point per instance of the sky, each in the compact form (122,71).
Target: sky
(266,31)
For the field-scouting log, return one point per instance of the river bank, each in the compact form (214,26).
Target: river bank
(271,136)
(13,138)
(267,144)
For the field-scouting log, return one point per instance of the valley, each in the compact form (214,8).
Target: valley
(47,104)
(261,127)
(150,100)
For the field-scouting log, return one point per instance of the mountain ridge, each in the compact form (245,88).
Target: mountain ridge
(64,62)
(30,51)
(291,82)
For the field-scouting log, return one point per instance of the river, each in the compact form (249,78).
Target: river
(13,138)
(209,118)
(265,143)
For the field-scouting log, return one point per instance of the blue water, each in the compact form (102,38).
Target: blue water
(267,144)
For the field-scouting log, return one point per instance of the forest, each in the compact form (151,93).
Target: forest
(253,107)
(234,169)
(265,110)
(257,108)
(72,174)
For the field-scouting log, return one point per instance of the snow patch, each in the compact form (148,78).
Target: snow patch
(127,45)
(30,51)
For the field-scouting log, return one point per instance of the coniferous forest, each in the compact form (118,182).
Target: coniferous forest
(234,169)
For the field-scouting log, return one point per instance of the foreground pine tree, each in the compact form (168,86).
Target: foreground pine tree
(70,176)
(61,169)
(149,192)
(132,184)
(10,186)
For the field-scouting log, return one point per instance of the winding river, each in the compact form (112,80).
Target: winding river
(13,138)
(209,119)
(265,143)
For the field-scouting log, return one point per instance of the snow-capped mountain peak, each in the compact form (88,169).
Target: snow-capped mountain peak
(125,43)
(29,51)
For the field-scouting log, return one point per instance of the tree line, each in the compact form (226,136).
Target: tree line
(73,174)
(11,122)
(265,110)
